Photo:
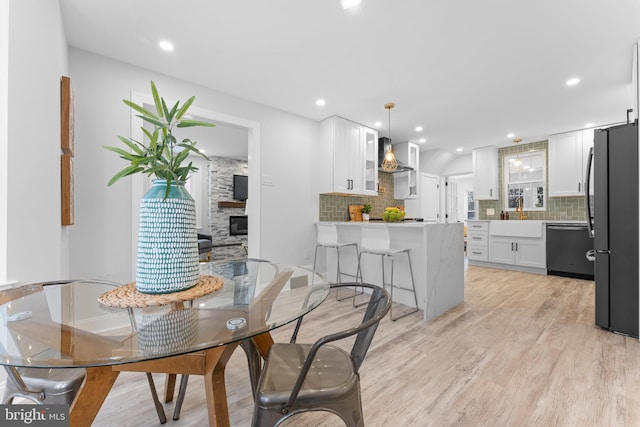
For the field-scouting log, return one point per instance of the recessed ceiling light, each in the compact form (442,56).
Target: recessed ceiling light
(459,149)
(511,135)
(377,124)
(348,4)
(572,82)
(320,102)
(418,128)
(422,140)
(166,45)
(589,125)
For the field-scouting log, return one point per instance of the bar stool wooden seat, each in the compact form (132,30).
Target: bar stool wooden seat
(376,241)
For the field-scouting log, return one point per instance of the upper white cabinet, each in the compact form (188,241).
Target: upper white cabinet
(567,163)
(347,158)
(405,184)
(485,173)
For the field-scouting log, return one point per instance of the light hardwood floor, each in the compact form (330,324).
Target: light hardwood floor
(522,350)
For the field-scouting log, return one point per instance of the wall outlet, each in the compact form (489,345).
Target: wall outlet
(307,254)
(491,211)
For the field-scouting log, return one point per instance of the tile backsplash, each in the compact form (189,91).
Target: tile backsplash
(336,208)
(557,208)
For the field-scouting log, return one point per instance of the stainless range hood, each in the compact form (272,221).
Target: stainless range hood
(383,145)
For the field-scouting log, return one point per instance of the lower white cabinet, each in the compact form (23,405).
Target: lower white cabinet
(478,240)
(522,251)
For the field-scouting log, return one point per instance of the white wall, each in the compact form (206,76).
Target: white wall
(36,243)
(461,164)
(101,238)
(440,162)
(4,135)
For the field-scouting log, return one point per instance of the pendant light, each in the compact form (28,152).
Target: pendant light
(517,163)
(389,164)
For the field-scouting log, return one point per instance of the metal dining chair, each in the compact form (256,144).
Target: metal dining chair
(49,386)
(39,385)
(320,377)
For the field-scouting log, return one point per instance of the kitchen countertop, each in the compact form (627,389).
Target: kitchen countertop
(545,221)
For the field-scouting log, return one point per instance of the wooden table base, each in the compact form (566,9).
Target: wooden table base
(209,363)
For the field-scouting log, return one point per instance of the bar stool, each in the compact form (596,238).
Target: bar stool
(376,241)
(328,238)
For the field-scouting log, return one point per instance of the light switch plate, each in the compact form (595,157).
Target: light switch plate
(491,211)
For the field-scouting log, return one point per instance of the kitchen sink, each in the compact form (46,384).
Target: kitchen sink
(525,228)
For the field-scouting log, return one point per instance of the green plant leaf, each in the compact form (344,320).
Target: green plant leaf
(156,98)
(165,110)
(158,157)
(148,133)
(140,109)
(181,157)
(193,149)
(125,172)
(185,107)
(133,145)
(191,123)
(172,113)
(152,120)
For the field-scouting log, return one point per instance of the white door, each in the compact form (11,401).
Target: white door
(429,197)
(452,202)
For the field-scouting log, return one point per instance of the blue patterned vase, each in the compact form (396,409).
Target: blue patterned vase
(167,240)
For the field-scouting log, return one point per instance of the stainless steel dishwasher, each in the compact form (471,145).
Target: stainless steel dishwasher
(567,244)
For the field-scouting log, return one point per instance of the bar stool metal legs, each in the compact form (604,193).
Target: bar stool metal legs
(391,283)
(339,272)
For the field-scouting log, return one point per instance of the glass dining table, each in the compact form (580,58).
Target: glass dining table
(107,328)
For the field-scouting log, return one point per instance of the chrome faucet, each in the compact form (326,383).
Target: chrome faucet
(520,210)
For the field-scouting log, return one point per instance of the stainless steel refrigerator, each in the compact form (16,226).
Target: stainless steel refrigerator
(613,223)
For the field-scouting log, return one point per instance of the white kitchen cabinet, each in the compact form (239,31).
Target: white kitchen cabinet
(346,160)
(370,161)
(405,184)
(522,251)
(485,173)
(567,163)
(478,240)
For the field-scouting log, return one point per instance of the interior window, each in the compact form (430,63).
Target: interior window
(524,181)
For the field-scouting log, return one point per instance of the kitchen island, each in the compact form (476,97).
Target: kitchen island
(437,258)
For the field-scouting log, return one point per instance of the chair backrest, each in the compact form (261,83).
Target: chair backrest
(327,234)
(375,237)
(378,306)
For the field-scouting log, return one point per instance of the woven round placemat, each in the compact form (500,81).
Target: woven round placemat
(127,296)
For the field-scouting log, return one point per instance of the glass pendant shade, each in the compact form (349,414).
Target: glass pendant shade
(389,164)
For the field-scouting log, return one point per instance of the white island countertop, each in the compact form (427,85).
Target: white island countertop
(437,258)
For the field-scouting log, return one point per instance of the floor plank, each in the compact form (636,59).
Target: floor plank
(522,350)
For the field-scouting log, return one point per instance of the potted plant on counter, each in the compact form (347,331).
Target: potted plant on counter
(366,210)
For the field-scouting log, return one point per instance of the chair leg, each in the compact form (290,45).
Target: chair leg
(156,402)
(184,380)
(254,361)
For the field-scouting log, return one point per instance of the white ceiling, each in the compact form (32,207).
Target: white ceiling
(468,71)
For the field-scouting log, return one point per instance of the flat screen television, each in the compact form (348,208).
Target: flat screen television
(240,187)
